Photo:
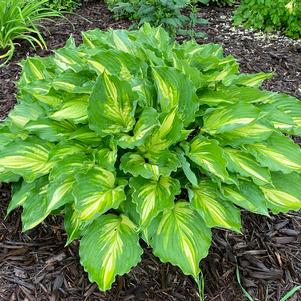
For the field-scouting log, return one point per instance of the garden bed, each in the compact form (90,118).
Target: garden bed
(36,266)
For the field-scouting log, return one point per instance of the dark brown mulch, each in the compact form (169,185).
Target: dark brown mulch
(36,266)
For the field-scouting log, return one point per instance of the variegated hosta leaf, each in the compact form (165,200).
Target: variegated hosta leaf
(251,133)
(229,118)
(96,192)
(290,106)
(65,149)
(167,134)
(136,165)
(111,106)
(35,205)
(74,82)
(106,154)
(85,135)
(75,110)
(247,196)
(153,196)
(145,125)
(21,192)
(25,112)
(28,158)
(214,210)
(180,236)
(72,224)
(109,247)
(176,90)
(190,175)
(51,130)
(251,80)
(207,154)
(285,194)
(7,176)
(34,68)
(233,95)
(245,164)
(278,153)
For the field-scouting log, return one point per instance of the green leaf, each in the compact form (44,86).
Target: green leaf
(175,90)
(278,153)
(136,165)
(21,192)
(248,196)
(109,247)
(190,175)
(251,80)
(180,236)
(252,133)
(207,154)
(229,118)
(72,224)
(153,196)
(166,135)
(96,192)
(111,106)
(145,125)
(75,110)
(214,210)
(285,194)
(50,130)
(35,205)
(28,158)
(245,164)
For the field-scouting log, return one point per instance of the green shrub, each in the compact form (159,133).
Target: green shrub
(269,15)
(160,12)
(19,21)
(64,5)
(222,2)
(133,137)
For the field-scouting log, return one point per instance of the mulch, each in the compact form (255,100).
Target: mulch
(36,266)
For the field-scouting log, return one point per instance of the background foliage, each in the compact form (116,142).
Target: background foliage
(269,15)
(167,13)
(19,20)
(65,5)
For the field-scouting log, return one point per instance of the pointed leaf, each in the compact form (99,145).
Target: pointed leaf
(109,247)
(245,164)
(96,192)
(111,106)
(176,90)
(215,211)
(207,154)
(278,153)
(286,193)
(180,236)
(153,196)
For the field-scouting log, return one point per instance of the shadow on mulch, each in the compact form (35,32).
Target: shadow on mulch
(36,266)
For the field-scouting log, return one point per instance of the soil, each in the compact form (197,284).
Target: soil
(36,266)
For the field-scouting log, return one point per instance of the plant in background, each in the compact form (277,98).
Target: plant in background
(269,15)
(19,21)
(64,5)
(223,2)
(134,137)
(167,13)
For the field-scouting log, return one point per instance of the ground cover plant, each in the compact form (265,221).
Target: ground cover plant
(167,13)
(64,5)
(19,20)
(134,142)
(269,15)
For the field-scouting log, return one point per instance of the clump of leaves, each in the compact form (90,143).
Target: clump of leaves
(19,20)
(64,5)
(270,15)
(166,13)
(134,137)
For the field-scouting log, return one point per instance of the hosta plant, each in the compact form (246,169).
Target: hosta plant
(133,137)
